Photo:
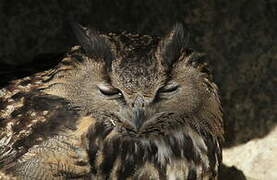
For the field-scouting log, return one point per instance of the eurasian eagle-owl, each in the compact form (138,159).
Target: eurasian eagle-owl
(119,106)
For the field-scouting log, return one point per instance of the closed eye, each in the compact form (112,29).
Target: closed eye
(109,91)
(168,89)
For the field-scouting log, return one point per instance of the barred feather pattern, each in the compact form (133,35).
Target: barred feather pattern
(181,154)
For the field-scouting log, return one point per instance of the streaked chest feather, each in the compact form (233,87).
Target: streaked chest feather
(179,155)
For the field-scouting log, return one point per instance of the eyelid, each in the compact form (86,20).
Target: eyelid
(105,87)
(169,88)
(109,90)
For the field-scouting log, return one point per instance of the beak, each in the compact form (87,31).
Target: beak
(138,117)
(138,112)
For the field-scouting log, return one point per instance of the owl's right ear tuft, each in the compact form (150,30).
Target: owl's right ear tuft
(171,47)
(94,45)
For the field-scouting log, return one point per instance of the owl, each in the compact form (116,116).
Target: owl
(117,106)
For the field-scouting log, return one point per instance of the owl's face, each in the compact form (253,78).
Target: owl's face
(145,85)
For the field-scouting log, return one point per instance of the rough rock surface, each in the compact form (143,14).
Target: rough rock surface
(240,36)
(257,158)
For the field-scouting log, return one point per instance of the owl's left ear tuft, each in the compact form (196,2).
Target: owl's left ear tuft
(94,45)
(171,47)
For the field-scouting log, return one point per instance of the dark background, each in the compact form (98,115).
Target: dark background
(239,36)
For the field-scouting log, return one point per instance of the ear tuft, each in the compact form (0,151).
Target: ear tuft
(172,46)
(93,44)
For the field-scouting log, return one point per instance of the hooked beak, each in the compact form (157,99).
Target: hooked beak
(138,118)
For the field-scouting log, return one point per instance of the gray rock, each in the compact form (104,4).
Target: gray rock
(257,158)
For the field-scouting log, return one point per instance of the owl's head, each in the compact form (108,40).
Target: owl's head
(146,85)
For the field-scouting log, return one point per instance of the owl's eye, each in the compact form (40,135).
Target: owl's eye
(168,88)
(110,91)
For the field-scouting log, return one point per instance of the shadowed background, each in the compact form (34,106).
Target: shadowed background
(239,36)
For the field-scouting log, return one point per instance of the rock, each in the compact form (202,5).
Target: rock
(230,173)
(257,158)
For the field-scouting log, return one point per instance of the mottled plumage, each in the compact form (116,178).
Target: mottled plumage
(119,106)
